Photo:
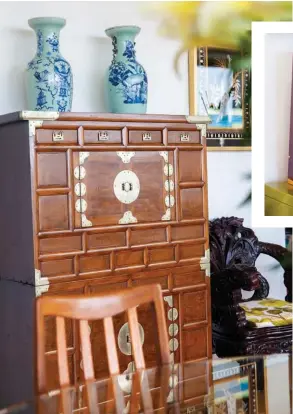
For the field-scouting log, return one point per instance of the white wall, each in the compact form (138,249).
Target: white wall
(277,372)
(85,45)
(278,77)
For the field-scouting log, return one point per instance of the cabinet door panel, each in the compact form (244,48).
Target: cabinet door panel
(194,307)
(123,187)
(190,166)
(191,203)
(52,169)
(194,343)
(97,175)
(53,212)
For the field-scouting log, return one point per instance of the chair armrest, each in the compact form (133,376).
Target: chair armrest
(284,257)
(229,317)
(280,253)
(226,285)
(226,288)
(236,277)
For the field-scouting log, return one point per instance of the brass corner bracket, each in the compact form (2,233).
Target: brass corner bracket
(198,119)
(203,129)
(42,115)
(32,126)
(41,283)
(36,118)
(205,263)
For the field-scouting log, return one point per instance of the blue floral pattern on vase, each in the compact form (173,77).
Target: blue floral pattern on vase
(127,79)
(49,75)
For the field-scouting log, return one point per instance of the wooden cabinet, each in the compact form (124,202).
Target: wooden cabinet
(98,202)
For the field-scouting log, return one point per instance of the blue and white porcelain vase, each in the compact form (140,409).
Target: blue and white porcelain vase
(127,79)
(49,80)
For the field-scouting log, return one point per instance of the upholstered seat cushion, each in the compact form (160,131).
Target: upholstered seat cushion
(268,312)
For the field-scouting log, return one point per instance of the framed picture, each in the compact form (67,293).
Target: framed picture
(222,94)
(235,388)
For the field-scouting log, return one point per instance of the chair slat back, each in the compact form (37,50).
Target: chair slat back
(136,344)
(62,352)
(89,308)
(111,347)
(86,350)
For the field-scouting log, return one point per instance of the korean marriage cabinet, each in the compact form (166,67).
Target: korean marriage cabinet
(96,202)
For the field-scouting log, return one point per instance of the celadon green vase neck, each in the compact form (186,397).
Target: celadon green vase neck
(47,30)
(120,36)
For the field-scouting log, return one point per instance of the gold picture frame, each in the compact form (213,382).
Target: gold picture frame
(219,139)
(237,384)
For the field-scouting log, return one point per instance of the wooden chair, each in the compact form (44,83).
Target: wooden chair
(244,326)
(88,308)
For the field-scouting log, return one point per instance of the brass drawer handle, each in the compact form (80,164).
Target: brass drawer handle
(146,136)
(58,136)
(103,136)
(184,137)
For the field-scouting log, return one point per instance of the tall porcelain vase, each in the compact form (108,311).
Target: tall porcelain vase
(49,81)
(127,82)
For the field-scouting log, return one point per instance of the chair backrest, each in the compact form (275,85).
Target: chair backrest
(235,248)
(88,308)
(232,244)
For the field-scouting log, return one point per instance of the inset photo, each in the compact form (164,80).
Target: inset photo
(272,125)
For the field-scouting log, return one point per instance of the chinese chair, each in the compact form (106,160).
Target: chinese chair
(261,324)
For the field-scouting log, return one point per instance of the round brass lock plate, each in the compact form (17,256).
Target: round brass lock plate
(124,341)
(126,186)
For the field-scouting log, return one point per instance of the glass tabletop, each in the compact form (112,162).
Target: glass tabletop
(248,385)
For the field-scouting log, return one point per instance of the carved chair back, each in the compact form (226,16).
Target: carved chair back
(88,308)
(234,251)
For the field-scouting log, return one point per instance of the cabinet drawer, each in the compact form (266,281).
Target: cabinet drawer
(184,137)
(145,137)
(102,136)
(52,268)
(56,136)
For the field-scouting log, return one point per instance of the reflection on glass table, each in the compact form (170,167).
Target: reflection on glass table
(218,386)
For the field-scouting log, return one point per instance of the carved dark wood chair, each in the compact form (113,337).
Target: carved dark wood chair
(259,325)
